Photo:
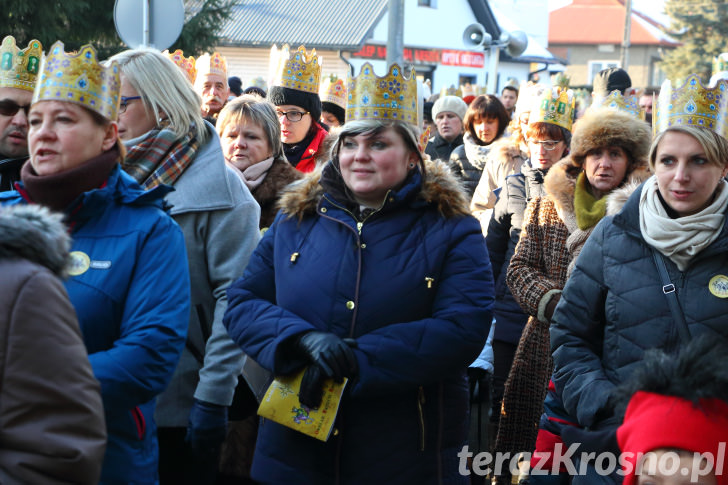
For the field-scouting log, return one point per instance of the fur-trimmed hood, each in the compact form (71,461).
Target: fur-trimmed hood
(440,187)
(32,232)
(505,148)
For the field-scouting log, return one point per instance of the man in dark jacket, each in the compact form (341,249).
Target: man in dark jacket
(448,113)
(17,81)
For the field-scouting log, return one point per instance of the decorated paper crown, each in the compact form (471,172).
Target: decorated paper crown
(211,64)
(299,70)
(469,89)
(333,90)
(79,78)
(258,82)
(692,104)
(451,91)
(720,63)
(19,68)
(555,106)
(391,97)
(187,64)
(560,80)
(615,100)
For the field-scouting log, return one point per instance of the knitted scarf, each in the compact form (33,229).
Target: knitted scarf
(682,238)
(160,157)
(588,210)
(477,154)
(254,175)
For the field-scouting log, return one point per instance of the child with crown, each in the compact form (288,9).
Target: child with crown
(373,271)
(129,281)
(654,274)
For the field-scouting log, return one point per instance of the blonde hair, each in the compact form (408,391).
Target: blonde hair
(714,145)
(164,89)
(257,110)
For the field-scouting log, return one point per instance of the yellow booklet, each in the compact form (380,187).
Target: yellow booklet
(281,404)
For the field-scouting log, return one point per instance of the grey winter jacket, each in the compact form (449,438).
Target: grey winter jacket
(613,309)
(219,219)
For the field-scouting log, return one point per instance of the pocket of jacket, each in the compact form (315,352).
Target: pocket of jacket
(139,421)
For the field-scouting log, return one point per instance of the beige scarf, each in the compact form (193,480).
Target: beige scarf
(682,238)
(254,175)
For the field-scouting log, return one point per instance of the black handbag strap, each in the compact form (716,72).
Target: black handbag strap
(669,290)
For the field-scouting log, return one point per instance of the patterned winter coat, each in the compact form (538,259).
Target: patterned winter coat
(412,284)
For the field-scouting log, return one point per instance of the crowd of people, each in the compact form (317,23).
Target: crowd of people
(530,276)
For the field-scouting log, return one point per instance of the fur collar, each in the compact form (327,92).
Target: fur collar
(560,182)
(32,232)
(440,188)
(505,148)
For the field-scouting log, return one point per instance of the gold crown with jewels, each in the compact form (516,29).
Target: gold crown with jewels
(720,63)
(19,68)
(616,100)
(451,91)
(187,64)
(79,78)
(692,104)
(299,70)
(388,98)
(211,64)
(555,106)
(333,90)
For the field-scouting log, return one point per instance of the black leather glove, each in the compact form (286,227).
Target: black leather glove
(312,387)
(332,355)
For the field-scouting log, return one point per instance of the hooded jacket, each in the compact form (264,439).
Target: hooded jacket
(130,287)
(52,428)
(411,283)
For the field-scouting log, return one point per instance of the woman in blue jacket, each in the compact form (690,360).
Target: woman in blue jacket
(617,304)
(373,270)
(129,281)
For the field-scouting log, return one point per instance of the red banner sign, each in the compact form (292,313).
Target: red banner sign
(426,56)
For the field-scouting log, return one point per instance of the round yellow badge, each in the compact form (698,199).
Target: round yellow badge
(718,286)
(80,263)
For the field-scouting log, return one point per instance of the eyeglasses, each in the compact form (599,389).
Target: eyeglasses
(10,108)
(125,101)
(546,144)
(292,116)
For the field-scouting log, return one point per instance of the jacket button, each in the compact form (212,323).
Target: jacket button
(323,209)
(350,305)
(363,246)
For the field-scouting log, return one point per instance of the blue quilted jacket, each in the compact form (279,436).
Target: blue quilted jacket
(613,309)
(130,287)
(412,284)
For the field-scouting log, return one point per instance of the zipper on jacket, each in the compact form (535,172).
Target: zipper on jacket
(421,415)
(141,424)
(359,224)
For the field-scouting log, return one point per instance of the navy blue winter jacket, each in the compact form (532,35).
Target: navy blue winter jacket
(412,284)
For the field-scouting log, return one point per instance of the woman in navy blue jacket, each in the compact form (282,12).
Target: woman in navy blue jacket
(129,281)
(373,270)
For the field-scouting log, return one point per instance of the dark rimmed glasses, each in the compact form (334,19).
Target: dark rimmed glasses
(292,116)
(125,102)
(8,107)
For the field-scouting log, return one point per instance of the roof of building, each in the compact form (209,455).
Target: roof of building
(605,21)
(317,23)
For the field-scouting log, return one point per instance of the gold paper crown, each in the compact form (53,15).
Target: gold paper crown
(451,91)
(555,106)
(560,80)
(211,64)
(387,98)
(469,89)
(187,64)
(19,68)
(258,82)
(720,63)
(616,100)
(333,90)
(692,104)
(299,70)
(79,78)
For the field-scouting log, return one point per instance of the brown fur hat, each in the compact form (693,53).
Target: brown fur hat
(602,127)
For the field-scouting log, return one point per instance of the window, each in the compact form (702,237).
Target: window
(466,79)
(596,66)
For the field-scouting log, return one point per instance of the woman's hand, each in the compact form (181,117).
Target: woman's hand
(333,355)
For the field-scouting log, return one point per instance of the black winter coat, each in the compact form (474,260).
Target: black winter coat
(504,230)
(440,149)
(613,309)
(465,169)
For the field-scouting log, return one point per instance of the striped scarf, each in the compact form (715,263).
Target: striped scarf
(159,157)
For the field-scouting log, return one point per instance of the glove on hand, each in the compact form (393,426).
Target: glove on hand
(312,387)
(335,358)
(207,427)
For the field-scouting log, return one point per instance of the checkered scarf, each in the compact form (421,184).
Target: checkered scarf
(160,157)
